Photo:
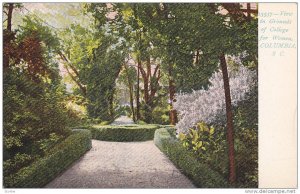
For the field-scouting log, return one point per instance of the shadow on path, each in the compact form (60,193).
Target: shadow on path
(122,165)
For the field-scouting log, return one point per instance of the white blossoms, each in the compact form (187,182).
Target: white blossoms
(209,105)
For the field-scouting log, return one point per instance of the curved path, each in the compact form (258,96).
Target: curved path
(122,165)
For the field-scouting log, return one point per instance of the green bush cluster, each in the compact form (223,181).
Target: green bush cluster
(122,133)
(42,171)
(200,173)
(35,112)
(209,145)
(160,114)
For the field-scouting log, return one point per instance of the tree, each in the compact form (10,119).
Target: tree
(35,115)
(8,34)
(201,29)
(127,77)
(129,26)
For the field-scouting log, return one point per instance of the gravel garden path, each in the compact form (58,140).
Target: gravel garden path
(123,120)
(122,165)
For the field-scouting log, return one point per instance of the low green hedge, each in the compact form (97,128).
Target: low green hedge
(123,133)
(57,160)
(201,174)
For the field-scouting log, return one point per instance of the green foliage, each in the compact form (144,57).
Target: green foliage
(48,143)
(200,173)
(57,160)
(122,133)
(47,36)
(246,142)
(186,39)
(19,161)
(200,140)
(106,66)
(208,144)
(160,114)
(246,147)
(98,63)
(123,110)
(34,106)
(140,122)
(24,119)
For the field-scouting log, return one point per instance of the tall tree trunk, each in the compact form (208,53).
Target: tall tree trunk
(229,116)
(138,37)
(8,35)
(130,93)
(9,16)
(248,12)
(111,104)
(173,114)
(146,77)
(154,82)
(138,91)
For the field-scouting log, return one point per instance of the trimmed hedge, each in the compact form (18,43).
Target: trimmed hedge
(56,161)
(123,133)
(201,174)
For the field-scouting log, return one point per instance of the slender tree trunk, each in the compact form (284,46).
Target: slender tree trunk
(229,116)
(130,94)
(146,77)
(173,114)
(8,35)
(111,105)
(138,91)
(154,84)
(138,36)
(131,102)
(9,16)
(248,12)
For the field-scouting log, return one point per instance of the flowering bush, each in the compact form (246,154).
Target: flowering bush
(209,105)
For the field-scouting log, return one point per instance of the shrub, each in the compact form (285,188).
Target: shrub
(42,171)
(209,146)
(17,162)
(160,114)
(32,111)
(246,147)
(209,105)
(48,143)
(246,140)
(140,122)
(201,174)
(123,132)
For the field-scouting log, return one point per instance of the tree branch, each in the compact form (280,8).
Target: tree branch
(82,88)
(69,63)
(144,75)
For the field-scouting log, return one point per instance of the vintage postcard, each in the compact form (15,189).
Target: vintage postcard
(149,95)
